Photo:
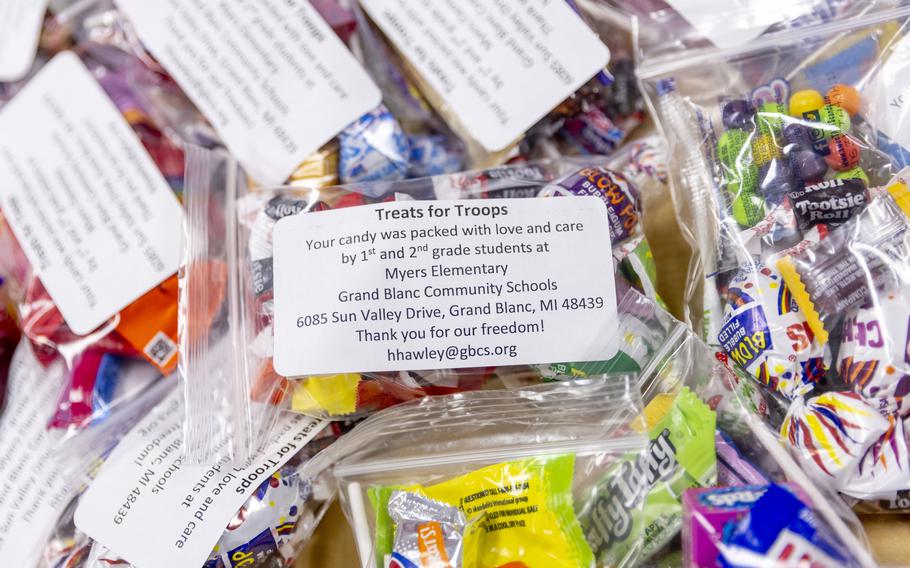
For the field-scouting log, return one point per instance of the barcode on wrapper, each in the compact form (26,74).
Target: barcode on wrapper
(160,349)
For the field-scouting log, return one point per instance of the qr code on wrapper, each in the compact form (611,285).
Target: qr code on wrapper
(160,349)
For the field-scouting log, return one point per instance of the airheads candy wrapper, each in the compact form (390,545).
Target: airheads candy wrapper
(732,467)
(707,512)
(427,533)
(619,194)
(781,530)
(527,507)
(680,456)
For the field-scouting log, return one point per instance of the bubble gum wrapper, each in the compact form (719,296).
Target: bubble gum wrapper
(844,441)
(766,332)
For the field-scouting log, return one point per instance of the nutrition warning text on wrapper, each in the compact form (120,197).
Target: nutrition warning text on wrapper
(414,285)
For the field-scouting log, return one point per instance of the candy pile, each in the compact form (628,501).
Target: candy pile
(848,252)
(263,259)
(801,219)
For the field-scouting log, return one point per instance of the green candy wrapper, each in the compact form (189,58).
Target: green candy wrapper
(680,456)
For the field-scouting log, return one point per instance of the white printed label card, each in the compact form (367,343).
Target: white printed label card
(499,66)
(270,75)
(150,508)
(887,94)
(96,218)
(33,491)
(415,285)
(20,29)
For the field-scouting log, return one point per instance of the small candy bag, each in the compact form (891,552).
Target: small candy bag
(227,359)
(769,136)
(146,328)
(790,188)
(595,119)
(751,425)
(499,474)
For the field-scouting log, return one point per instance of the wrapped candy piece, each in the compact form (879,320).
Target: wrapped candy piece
(867,255)
(645,158)
(831,433)
(874,356)
(264,530)
(427,532)
(76,403)
(782,530)
(373,148)
(884,469)
(617,192)
(319,170)
(708,511)
(732,467)
(432,155)
(765,331)
(592,131)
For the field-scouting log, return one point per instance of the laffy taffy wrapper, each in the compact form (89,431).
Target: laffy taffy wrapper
(680,456)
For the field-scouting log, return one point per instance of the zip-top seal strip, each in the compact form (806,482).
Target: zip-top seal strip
(666,64)
(626,442)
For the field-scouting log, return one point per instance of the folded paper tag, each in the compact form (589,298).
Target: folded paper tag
(20,28)
(146,494)
(97,220)
(499,66)
(270,75)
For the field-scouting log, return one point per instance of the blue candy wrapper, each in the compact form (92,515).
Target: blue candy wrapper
(781,530)
(373,148)
(433,155)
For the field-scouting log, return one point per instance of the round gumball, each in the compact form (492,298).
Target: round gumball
(853,173)
(808,166)
(836,119)
(770,118)
(805,101)
(747,207)
(843,153)
(873,352)
(776,181)
(797,135)
(765,332)
(764,149)
(738,114)
(730,146)
(845,97)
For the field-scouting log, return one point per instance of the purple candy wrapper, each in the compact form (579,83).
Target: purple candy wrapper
(732,468)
